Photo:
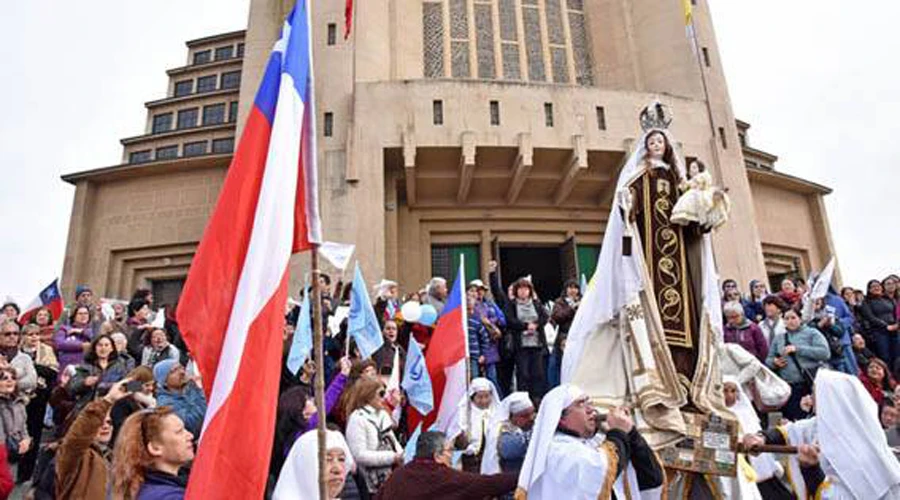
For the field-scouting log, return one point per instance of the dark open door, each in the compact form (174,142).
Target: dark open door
(568,257)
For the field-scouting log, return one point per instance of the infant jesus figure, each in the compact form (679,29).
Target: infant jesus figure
(701,201)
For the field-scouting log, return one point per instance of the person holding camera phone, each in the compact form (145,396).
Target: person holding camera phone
(825,320)
(83,457)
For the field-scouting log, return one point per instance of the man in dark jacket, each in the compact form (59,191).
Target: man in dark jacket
(430,477)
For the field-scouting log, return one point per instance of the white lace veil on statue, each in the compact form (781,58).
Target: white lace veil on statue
(618,304)
(621,281)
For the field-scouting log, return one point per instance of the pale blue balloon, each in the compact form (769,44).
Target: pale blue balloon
(428,316)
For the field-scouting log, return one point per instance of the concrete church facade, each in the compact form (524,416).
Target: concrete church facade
(490,129)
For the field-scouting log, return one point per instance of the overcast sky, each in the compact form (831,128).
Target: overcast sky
(818,80)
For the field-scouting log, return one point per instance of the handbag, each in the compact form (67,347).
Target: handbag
(808,374)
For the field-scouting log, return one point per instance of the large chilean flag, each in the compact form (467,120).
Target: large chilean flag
(232,308)
(447,362)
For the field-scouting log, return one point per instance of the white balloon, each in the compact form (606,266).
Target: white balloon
(411,311)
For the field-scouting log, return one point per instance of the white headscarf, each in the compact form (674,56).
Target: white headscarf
(545,425)
(300,473)
(765,464)
(516,402)
(477,385)
(383,286)
(850,436)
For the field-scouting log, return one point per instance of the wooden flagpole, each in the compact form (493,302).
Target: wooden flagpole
(319,353)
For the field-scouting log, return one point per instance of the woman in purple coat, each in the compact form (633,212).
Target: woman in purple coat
(742,331)
(73,338)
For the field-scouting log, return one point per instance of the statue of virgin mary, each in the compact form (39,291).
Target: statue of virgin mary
(648,328)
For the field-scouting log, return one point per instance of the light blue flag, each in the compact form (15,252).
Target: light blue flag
(416,381)
(303,341)
(409,453)
(584,284)
(362,324)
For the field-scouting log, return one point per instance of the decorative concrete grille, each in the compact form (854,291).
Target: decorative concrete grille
(459,19)
(560,64)
(511,67)
(533,45)
(555,32)
(459,59)
(508,24)
(484,37)
(433,27)
(584,74)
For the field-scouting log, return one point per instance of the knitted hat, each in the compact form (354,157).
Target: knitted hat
(162,369)
(81,289)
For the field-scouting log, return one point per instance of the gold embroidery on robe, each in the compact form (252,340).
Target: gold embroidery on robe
(612,467)
(665,254)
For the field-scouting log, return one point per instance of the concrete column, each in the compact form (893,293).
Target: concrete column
(77,242)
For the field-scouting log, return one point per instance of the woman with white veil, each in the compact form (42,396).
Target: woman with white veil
(300,475)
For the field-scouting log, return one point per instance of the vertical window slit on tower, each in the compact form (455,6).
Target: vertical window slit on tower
(495,112)
(328,129)
(437,111)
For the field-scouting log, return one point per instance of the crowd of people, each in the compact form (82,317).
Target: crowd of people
(96,403)
(106,400)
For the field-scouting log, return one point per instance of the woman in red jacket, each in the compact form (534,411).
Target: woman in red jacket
(877,380)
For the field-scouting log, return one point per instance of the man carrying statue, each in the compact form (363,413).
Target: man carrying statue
(653,312)
(570,457)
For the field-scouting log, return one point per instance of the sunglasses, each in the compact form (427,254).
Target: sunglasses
(7,378)
(10,334)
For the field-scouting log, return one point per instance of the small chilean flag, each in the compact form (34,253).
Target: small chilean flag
(447,359)
(232,309)
(50,298)
(348,18)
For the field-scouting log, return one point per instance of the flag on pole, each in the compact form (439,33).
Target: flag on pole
(362,323)
(447,360)
(689,24)
(337,253)
(416,381)
(583,284)
(303,336)
(159,321)
(49,298)
(819,288)
(409,452)
(348,18)
(232,309)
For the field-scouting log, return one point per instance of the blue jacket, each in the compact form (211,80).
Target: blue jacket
(478,337)
(161,486)
(812,351)
(189,405)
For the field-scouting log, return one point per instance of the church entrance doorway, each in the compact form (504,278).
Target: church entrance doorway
(543,264)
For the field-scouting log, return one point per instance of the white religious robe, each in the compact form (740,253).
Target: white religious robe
(584,469)
(478,429)
(834,487)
